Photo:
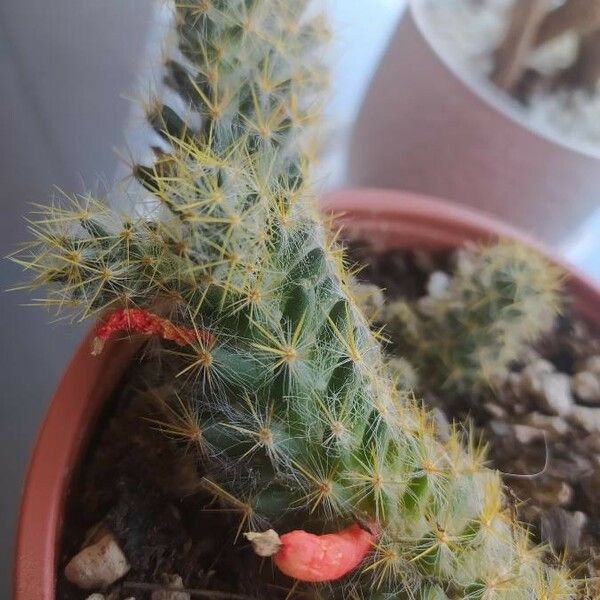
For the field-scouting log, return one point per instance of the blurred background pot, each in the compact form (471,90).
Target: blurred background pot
(430,126)
(385,219)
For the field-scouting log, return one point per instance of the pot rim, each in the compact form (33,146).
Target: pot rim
(90,380)
(486,91)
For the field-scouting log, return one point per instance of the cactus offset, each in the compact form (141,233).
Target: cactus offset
(287,400)
(500,298)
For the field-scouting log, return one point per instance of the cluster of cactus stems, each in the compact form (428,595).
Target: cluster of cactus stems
(463,339)
(282,392)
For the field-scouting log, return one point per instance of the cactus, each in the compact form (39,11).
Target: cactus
(463,339)
(283,392)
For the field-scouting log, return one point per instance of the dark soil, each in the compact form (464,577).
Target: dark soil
(136,480)
(140,485)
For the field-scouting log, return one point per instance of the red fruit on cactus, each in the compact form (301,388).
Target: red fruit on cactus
(316,558)
(137,320)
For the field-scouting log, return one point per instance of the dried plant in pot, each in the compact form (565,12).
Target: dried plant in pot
(436,123)
(264,385)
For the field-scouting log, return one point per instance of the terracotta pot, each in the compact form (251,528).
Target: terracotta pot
(386,219)
(428,125)
(86,385)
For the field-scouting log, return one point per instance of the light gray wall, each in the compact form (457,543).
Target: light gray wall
(63,67)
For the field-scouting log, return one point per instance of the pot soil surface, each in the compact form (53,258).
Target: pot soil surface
(138,482)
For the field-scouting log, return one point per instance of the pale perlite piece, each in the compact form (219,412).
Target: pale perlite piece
(531,377)
(592,364)
(499,428)
(551,390)
(586,417)
(265,543)
(96,597)
(556,395)
(437,284)
(174,583)
(97,566)
(586,386)
(497,412)
(526,434)
(553,493)
(554,426)
(562,528)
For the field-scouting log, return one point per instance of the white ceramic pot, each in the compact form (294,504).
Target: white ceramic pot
(429,126)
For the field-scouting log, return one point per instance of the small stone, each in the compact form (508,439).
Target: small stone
(552,492)
(96,597)
(174,582)
(437,284)
(586,417)
(497,412)
(520,409)
(563,494)
(532,376)
(554,395)
(98,565)
(586,386)
(525,434)
(589,444)
(513,382)
(499,428)
(529,355)
(562,529)
(464,260)
(555,426)
(571,468)
(264,543)
(592,364)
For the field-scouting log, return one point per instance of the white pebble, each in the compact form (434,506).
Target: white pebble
(586,417)
(551,390)
(171,581)
(532,375)
(555,426)
(98,565)
(437,284)
(525,434)
(586,386)
(592,364)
